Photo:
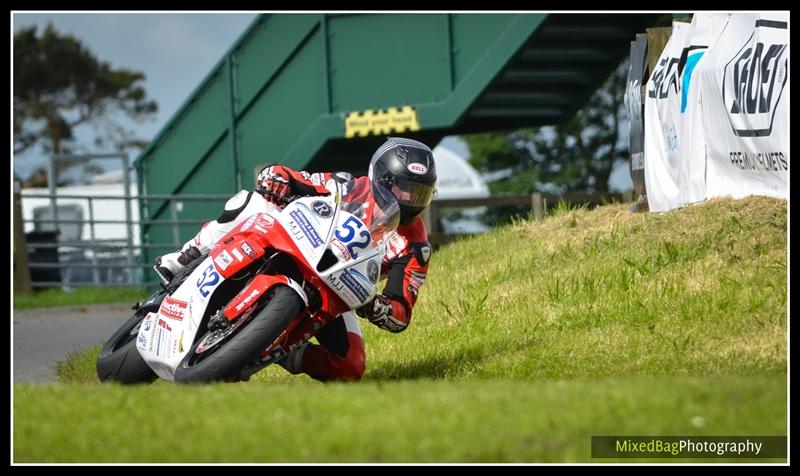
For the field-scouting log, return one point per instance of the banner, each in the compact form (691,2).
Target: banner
(664,136)
(635,108)
(743,98)
(704,34)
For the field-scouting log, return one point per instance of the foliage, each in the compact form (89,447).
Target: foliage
(577,155)
(59,84)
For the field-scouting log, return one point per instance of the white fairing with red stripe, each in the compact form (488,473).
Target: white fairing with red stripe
(165,337)
(350,241)
(314,225)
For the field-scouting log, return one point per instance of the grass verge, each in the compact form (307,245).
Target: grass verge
(525,342)
(403,421)
(80,296)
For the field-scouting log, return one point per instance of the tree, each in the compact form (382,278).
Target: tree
(59,84)
(576,155)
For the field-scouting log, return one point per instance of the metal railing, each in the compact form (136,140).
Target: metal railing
(116,260)
(91,250)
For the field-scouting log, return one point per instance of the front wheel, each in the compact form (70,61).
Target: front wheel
(210,359)
(120,361)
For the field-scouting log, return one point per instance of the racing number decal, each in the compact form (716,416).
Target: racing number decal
(351,233)
(209,278)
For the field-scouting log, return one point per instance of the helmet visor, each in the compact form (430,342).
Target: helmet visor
(412,194)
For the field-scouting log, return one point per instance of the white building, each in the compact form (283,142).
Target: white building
(456,178)
(108,257)
(109,184)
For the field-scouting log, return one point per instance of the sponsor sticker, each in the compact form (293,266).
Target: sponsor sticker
(372,271)
(265,221)
(353,285)
(173,308)
(343,291)
(246,301)
(145,339)
(248,250)
(322,209)
(249,222)
(416,281)
(417,168)
(223,260)
(237,254)
(395,245)
(306,227)
(341,247)
(425,251)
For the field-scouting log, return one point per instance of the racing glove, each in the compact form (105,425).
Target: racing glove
(274,184)
(170,264)
(279,184)
(379,312)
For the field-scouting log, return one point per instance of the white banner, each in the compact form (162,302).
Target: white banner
(663,162)
(743,98)
(704,33)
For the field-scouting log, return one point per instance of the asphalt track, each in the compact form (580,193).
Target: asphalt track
(45,336)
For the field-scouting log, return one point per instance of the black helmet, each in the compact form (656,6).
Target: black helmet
(406,168)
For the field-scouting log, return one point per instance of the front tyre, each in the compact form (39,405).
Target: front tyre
(120,361)
(208,363)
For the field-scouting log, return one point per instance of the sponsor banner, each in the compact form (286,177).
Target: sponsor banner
(718,124)
(704,34)
(635,108)
(743,85)
(663,166)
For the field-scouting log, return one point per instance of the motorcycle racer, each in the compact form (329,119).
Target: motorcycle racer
(407,169)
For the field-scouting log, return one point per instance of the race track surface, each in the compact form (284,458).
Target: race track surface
(45,336)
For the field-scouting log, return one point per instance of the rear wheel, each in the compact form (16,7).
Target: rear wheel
(120,361)
(219,354)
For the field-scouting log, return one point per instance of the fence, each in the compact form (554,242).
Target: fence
(100,262)
(118,261)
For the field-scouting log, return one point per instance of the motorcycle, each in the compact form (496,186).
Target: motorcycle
(267,286)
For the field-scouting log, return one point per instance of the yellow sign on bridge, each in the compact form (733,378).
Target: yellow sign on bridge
(384,121)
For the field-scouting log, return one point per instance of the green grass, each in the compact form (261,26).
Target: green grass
(80,296)
(525,342)
(408,421)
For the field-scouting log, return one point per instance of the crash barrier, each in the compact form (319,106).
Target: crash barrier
(716,110)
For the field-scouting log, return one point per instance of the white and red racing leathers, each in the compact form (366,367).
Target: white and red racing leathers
(340,355)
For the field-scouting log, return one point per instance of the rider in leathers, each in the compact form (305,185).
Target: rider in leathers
(403,166)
